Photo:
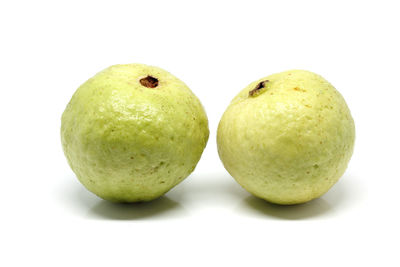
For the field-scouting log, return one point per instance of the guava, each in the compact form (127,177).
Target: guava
(132,132)
(287,138)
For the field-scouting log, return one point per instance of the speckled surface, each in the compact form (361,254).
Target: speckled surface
(289,141)
(127,142)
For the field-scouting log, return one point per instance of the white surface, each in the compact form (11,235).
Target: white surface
(49,48)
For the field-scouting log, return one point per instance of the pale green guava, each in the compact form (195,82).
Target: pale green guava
(132,132)
(287,138)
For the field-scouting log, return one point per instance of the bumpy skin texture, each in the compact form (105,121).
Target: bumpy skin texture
(127,142)
(290,141)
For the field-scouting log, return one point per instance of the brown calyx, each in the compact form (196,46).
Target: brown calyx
(259,86)
(149,82)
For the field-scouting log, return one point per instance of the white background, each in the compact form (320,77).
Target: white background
(48,48)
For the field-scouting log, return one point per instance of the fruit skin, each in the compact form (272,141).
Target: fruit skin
(127,142)
(291,141)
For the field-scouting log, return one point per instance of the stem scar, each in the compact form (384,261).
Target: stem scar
(149,82)
(259,86)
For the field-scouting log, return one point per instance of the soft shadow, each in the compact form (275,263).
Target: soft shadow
(291,212)
(83,203)
(161,207)
(212,190)
(338,196)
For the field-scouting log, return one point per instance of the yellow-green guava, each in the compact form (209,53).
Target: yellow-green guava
(287,138)
(132,132)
